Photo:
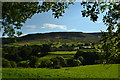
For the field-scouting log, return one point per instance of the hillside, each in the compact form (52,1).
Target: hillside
(58,36)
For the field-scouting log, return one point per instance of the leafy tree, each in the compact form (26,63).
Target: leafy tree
(13,64)
(87,58)
(46,64)
(62,60)
(110,40)
(81,59)
(24,64)
(24,52)
(45,48)
(58,62)
(5,63)
(33,61)
(10,53)
(35,50)
(76,62)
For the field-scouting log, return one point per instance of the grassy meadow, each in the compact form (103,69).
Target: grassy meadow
(89,71)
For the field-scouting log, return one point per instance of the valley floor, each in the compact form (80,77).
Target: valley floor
(89,71)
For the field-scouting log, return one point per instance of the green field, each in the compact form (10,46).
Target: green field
(65,54)
(89,71)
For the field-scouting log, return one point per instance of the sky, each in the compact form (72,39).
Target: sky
(71,21)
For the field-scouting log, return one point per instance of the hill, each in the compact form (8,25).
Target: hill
(58,36)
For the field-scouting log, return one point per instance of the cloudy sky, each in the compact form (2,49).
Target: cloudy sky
(71,21)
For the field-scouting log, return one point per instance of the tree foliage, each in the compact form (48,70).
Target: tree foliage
(33,61)
(5,63)
(110,40)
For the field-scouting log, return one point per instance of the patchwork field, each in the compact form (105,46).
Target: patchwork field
(89,71)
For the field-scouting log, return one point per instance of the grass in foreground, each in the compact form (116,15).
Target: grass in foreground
(89,71)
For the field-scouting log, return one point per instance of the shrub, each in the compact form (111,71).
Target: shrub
(81,59)
(33,61)
(46,64)
(63,61)
(25,52)
(89,57)
(24,64)
(58,62)
(45,48)
(13,64)
(69,62)
(10,53)
(117,59)
(57,66)
(76,62)
(35,50)
(5,63)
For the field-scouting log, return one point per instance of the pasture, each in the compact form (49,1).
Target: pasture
(89,71)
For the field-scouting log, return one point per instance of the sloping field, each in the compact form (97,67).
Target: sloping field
(89,71)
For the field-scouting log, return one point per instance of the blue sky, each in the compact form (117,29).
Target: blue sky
(71,21)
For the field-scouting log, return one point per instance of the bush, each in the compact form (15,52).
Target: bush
(33,61)
(89,57)
(5,63)
(81,59)
(35,50)
(25,52)
(58,62)
(10,53)
(57,66)
(117,59)
(63,61)
(76,62)
(69,62)
(45,48)
(46,64)
(13,64)
(24,64)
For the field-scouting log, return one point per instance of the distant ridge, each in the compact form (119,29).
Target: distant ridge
(59,36)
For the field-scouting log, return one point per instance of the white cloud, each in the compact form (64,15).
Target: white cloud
(31,27)
(23,35)
(72,30)
(54,26)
